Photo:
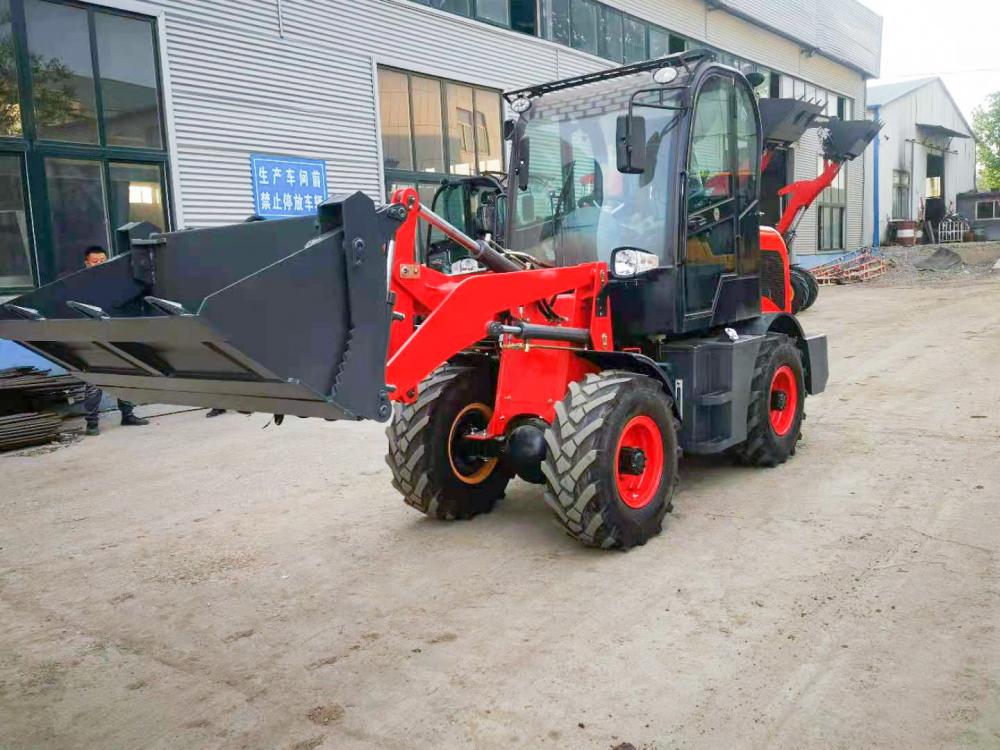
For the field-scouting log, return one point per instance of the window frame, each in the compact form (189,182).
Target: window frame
(834,200)
(403,176)
(900,194)
(35,150)
(29,226)
(995,202)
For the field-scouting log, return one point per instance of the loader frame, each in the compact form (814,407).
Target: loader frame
(437,317)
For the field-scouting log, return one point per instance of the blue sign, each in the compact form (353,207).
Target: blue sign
(285,186)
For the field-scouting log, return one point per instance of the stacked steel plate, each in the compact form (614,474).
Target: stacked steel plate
(23,430)
(26,395)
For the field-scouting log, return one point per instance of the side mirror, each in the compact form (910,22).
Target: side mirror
(756,78)
(508,130)
(524,156)
(630,138)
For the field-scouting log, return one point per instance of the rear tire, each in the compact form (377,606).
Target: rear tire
(611,464)
(813,289)
(800,291)
(427,467)
(774,421)
(806,288)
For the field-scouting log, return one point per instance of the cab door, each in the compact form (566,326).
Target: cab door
(721,189)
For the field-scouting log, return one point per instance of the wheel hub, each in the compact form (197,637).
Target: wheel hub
(467,463)
(631,461)
(784,400)
(639,462)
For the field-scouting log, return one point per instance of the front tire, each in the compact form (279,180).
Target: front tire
(611,464)
(777,399)
(429,467)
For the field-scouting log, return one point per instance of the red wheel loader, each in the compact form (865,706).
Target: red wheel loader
(783,122)
(635,310)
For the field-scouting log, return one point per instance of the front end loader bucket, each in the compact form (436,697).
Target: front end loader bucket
(783,121)
(287,317)
(845,140)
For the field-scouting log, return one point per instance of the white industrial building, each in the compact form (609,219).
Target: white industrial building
(152,109)
(925,155)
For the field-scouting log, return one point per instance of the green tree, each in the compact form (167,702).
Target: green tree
(986,123)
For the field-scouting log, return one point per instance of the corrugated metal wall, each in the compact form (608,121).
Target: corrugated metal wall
(239,87)
(902,149)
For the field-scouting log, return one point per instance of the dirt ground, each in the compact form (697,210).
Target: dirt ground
(227,583)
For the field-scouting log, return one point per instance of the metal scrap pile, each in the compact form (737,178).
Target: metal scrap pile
(26,396)
(860,265)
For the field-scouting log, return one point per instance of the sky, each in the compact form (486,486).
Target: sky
(958,40)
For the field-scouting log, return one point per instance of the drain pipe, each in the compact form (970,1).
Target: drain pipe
(876,224)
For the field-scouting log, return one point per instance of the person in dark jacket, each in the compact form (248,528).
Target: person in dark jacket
(94,256)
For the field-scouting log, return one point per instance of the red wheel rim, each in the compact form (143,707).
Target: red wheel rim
(640,434)
(784,399)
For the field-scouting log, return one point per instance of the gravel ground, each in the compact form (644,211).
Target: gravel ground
(228,584)
(901,271)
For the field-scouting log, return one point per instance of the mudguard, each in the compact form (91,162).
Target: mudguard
(813,348)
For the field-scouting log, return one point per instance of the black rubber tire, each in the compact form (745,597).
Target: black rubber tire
(418,447)
(763,446)
(582,446)
(813,289)
(800,291)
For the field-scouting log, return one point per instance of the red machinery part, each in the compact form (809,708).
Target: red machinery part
(772,242)
(802,194)
(437,316)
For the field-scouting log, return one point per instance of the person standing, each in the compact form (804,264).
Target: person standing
(94,256)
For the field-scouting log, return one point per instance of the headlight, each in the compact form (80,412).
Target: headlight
(627,262)
(521,105)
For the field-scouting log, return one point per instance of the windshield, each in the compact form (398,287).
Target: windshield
(577,206)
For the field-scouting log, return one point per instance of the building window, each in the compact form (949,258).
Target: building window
(15,250)
(634,41)
(519,15)
(433,128)
(844,108)
(900,194)
(82,138)
(610,35)
(832,209)
(583,26)
(988,210)
(659,42)
(494,11)
(774,85)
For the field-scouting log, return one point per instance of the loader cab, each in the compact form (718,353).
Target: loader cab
(473,204)
(688,194)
